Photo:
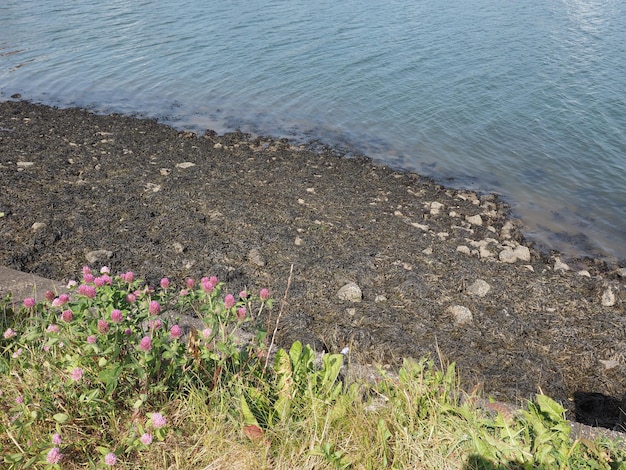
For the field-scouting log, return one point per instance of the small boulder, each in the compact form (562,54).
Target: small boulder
(479,288)
(474,219)
(461,315)
(98,256)
(608,298)
(351,292)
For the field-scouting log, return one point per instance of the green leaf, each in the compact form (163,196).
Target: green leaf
(295,352)
(248,417)
(551,408)
(61,417)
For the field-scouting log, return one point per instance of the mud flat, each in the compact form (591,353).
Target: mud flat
(389,264)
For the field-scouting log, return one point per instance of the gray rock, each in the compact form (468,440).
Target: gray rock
(479,288)
(38,226)
(255,257)
(462,315)
(474,219)
(435,208)
(608,298)
(351,292)
(512,255)
(463,249)
(98,256)
(560,265)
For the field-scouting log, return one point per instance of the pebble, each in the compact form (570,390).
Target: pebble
(298,241)
(351,292)
(609,364)
(512,255)
(96,256)
(608,298)
(380,298)
(435,207)
(38,226)
(463,249)
(178,247)
(479,288)
(560,266)
(255,257)
(462,315)
(25,164)
(474,219)
(507,228)
(184,165)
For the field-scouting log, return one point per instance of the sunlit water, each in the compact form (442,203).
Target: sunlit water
(525,98)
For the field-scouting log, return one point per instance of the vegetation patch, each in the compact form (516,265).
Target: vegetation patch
(102,377)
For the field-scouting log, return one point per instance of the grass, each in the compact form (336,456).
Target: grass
(99,379)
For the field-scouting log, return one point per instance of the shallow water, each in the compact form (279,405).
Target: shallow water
(527,99)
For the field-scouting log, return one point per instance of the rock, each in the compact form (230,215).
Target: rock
(474,219)
(298,241)
(38,226)
(435,207)
(584,273)
(178,247)
(485,253)
(463,249)
(351,292)
(98,256)
(609,364)
(255,257)
(512,255)
(507,228)
(622,272)
(560,266)
(428,251)
(380,298)
(479,288)
(184,165)
(24,164)
(608,298)
(462,315)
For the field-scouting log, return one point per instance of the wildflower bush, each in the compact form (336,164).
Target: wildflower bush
(77,365)
(110,375)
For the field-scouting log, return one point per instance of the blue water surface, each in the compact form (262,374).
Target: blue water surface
(527,99)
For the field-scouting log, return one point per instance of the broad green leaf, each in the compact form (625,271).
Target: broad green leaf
(61,417)
(248,417)
(550,407)
(295,352)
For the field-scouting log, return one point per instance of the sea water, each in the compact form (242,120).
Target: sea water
(524,98)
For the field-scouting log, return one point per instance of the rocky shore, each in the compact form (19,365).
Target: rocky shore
(389,264)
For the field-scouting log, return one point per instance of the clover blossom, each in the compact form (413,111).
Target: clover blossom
(146,439)
(110,459)
(77,374)
(29,302)
(154,307)
(67,316)
(264,294)
(229,301)
(54,455)
(176,332)
(116,315)
(158,420)
(145,344)
(9,333)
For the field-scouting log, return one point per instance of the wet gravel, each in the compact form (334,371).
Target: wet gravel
(165,202)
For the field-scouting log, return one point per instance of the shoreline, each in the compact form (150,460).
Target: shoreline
(137,195)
